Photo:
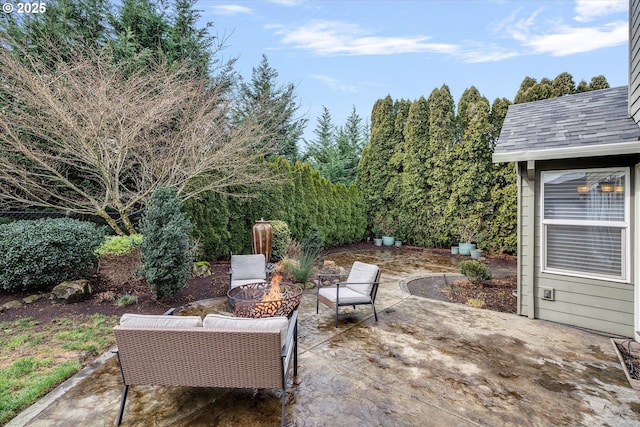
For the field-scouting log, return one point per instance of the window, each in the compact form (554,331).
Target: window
(585,223)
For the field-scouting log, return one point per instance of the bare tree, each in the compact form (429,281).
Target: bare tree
(92,138)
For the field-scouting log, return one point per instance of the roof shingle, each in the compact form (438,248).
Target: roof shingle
(571,123)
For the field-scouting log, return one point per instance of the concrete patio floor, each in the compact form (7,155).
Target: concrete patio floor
(424,363)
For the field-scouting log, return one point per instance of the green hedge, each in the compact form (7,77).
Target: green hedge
(37,255)
(301,198)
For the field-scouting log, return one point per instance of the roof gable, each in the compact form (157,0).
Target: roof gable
(581,125)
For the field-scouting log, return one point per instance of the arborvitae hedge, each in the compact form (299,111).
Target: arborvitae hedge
(302,198)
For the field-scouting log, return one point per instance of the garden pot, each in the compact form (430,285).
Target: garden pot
(388,240)
(476,253)
(465,248)
(377,242)
(454,250)
(398,243)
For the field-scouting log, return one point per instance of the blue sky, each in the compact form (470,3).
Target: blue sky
(342,54)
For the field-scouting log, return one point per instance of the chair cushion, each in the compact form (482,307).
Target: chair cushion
(220,321)
(364,275)
(248,267)
(235,283)
(160,321)
(347,296)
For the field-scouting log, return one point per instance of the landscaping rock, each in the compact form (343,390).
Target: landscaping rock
(33,298)
(71,291)
(10,305)
(201,269)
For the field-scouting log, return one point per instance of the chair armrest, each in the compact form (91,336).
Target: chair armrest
(293,326)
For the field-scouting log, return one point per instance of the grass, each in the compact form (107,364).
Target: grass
(35,357)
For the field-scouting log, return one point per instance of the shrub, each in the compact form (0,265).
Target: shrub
(313,242)
(119,245)
(475,271)
(166,251)
(37,255)
(280,241)
(126,300)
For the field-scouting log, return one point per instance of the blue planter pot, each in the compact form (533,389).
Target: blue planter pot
(476,253)
(388,240)
(455,250)
(465,248)
(377,242)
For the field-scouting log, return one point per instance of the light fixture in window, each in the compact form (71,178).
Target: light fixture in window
(618,188)
(583,189)
(606,187)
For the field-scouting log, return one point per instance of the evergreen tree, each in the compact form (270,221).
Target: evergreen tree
(441,142)
(373,169)
(527,83)
(501,226)
(563,84)
(264,98)
(322,151)
(598,82)
(350,140)
(67,25)
(467,206)
(393,191)
(165,247)
(416,175)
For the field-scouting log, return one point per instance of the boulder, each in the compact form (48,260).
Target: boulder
(71,291)
(201,269)
(10,305)
(33,298)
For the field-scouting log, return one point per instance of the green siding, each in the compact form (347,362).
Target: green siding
(588,303)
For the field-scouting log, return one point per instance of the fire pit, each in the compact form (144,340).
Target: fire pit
(264,299)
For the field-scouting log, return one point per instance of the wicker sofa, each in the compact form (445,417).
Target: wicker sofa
(219,351)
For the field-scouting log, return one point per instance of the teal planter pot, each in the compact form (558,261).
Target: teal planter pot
(465,248)
(455,250)
(476,253)
(377,242)
(388,240)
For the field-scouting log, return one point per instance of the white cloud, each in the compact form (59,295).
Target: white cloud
(327,38)
(588,10)
(335,84)
(486,54)
(287,2)
(230,9)
(570,40)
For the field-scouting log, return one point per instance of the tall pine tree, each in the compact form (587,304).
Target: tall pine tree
(263,97)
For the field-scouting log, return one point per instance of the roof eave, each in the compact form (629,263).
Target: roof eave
(620,148)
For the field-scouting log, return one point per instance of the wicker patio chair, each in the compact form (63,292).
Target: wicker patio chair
(360,288)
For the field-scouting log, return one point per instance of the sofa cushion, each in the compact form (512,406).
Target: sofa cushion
(219,321)
(160,321)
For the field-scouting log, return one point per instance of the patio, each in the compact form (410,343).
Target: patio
(425,362)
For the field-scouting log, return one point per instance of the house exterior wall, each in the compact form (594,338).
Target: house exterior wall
(634,60)
(589,303)
(525,236)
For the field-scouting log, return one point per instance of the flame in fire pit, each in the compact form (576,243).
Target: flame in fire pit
(274,293)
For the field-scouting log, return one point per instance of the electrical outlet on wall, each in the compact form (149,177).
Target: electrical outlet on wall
(548,294)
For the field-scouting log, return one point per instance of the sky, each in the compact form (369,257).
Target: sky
(348,54)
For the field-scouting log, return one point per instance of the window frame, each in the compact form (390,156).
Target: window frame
(624,226)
